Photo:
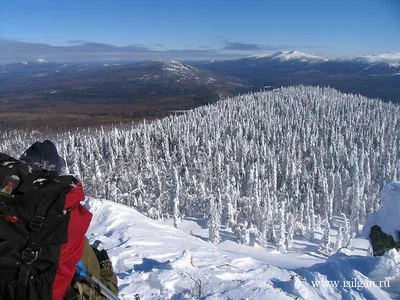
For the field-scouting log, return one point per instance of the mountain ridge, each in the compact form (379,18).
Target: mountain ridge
(375,78)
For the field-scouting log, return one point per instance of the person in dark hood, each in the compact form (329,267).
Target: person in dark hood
(44,155)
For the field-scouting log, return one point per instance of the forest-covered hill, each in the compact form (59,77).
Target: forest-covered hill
(267,165)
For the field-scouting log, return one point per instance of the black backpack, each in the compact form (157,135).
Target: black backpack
(33,226)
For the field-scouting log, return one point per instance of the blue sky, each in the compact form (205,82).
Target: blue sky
(209,28)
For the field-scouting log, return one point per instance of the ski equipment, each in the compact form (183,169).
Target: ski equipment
(83,273)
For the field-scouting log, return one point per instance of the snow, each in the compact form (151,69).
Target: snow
(290,55)
(157,261)
(176,67)
(340,277)
(24,62)
(41,60)
(184,72)
(390,58)
(387,217)
(260,56)
(149,77)
(388,268)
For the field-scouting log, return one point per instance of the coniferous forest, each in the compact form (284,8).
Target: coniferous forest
(268,165)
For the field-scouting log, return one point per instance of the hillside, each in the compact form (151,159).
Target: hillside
(56,95)
(268,165)
(285,177)
(157,261)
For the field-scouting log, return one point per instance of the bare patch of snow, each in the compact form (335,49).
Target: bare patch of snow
(211,80)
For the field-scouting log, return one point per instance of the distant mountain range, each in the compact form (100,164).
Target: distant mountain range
(375,76)
(155,88)
(284,56)
(165,77)
(292,57)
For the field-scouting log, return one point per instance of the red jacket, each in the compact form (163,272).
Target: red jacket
(71,252)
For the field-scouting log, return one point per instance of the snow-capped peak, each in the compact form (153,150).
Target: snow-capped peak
(386,56)
(392,58)
(291,55)
(259,56)
(24,62)
(41,60)
(175,64)
(177,67)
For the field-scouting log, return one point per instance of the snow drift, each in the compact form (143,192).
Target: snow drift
(387,217)
(158,261)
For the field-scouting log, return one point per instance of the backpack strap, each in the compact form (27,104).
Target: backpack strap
(33,248)
(40,248)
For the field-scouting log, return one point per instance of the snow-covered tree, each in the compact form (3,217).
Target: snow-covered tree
(310,146)
(290,230)
(177,215)
(214,221)
(326,237)
(300,221)
(339,238)
(282,229)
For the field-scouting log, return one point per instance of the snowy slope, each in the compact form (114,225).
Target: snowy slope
(391,58)
(177,67)
(289,56)
(157,261)
(182,71)
(296,55)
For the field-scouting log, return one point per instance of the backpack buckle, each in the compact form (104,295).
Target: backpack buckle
(29,256)
(36,223)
